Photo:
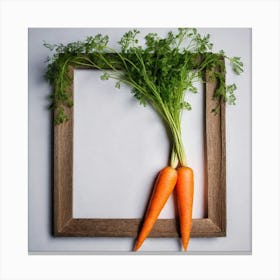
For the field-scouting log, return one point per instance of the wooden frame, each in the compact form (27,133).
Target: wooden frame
(212,226)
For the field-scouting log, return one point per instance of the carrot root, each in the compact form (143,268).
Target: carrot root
(164,186)
(184,191)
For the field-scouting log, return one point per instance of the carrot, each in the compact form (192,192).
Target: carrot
(184,190)
(164,186)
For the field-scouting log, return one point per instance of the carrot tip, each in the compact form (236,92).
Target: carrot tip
(185,246)
(137,246)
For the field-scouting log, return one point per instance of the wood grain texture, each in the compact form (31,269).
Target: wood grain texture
(212,226)
(130,227)
(63,171)
(216,158)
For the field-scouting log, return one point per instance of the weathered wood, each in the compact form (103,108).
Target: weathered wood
(212,226)
(216,158)
(63,170)
(130,228)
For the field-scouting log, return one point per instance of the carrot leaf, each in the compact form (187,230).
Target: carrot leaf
(159,72)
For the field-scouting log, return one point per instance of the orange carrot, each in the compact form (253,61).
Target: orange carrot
(184,191)
(164,186)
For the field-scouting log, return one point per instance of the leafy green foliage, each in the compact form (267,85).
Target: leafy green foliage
(118,84)
(237,65)
(230,94)
(58,73)
(159,74)
(105,76)
(129,40)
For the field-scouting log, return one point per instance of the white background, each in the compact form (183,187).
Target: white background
(114,133)
(263,16)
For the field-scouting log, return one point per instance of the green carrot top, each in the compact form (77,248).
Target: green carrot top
(158,73)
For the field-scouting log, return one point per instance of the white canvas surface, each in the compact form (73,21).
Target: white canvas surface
(120,146)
